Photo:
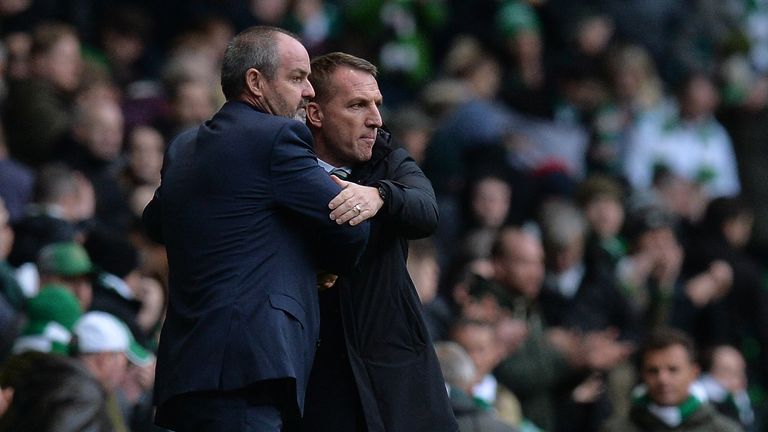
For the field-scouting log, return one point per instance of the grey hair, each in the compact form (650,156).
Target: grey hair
(254,47)
(561,224)
(458,369)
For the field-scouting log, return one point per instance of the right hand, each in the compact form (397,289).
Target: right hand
(326,280)
(355,203)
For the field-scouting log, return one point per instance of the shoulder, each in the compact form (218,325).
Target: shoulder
(722,423)
(618,424)
(399,154)
(247,123)
(179,142)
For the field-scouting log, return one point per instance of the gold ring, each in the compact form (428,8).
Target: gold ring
(357,207)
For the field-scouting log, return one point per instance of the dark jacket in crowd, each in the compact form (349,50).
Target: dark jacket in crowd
(472,418)
(705,419)
(376,369)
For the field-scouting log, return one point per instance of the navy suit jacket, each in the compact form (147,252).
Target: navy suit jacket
(243,211)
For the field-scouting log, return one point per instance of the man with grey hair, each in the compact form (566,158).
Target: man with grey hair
(459,373)
(243,212)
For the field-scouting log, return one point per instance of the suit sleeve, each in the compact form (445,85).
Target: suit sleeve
(152,216)
(301,186)
(411,204)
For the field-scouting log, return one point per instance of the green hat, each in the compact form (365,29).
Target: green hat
(516,16)
(51,316)
(64,259)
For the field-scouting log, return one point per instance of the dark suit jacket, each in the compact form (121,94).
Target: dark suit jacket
(376,369)
(242,209)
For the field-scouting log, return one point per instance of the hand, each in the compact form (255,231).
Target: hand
(325,280)
(589,390)
(511,333)
(355,203)
(602,350)
(710,285)
(85,205)
(145,375)
(567,342)
(670,260)
(6,233)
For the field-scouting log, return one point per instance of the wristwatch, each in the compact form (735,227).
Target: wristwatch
(382,193)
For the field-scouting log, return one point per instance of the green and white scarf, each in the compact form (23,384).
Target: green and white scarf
(672,416)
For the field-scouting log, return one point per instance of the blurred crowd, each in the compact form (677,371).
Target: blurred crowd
(600,167)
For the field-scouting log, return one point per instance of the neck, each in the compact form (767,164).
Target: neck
(322,153)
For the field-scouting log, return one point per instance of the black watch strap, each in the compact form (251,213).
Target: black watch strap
(382,193)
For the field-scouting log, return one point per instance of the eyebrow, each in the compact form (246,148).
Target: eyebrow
(377,101)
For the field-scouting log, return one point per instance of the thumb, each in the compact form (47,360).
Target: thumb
(343,184)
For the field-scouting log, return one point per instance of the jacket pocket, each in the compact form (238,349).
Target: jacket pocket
(290,306)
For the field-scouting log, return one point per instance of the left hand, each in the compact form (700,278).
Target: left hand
(355,203)
(325,280)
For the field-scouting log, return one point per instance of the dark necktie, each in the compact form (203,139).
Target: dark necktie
(340,173)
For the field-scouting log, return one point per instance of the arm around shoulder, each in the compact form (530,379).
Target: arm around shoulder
(301,186)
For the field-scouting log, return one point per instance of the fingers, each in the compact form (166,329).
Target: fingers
(355,204)
(326,280)
(342,183)
(343,197)
(347,210)
(354,215)
(362,216)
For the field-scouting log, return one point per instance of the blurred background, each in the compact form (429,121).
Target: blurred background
(601,168)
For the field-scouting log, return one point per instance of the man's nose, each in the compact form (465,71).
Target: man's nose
(374,120)
(309,91)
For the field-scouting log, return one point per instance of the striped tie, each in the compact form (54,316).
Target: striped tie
(340,173)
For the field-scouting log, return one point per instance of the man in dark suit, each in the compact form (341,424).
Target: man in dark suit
(243,212)
(376,369)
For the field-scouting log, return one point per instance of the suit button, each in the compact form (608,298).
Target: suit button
(317,343)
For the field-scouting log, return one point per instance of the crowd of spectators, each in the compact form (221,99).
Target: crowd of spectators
(600,167)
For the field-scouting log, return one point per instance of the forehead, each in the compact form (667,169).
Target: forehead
(727,356)
(522,246)
(475,334)
(351,83)
(292,53)
(673,355)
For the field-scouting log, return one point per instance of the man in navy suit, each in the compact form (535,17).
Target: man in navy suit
(243,212)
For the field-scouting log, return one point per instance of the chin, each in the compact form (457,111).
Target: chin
(301,115)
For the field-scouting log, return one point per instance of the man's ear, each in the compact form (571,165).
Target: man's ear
(254,81)
(314,115)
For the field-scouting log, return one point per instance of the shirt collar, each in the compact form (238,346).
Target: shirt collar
(328,167)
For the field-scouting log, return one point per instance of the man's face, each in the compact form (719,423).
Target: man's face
(480,344)
(113,367)
(287,93)
(521,268)
(490,202)
(103,134)
(728,368)
(668,374)
(62,65)
(605,215)
(80,286)
(349,119)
